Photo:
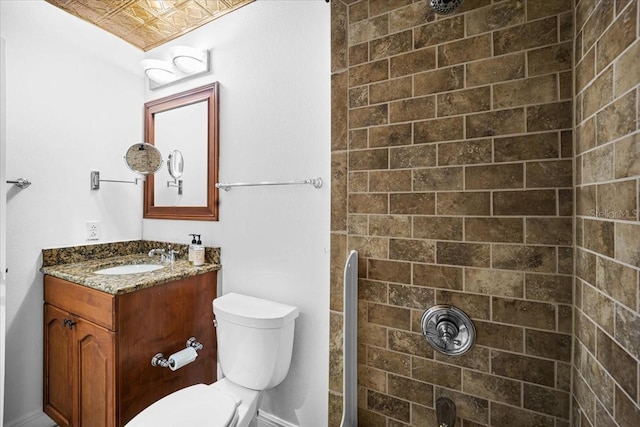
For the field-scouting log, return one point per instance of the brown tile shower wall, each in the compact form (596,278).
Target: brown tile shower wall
(607,321)
(452,162)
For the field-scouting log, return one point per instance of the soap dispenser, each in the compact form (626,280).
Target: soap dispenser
(192,247)
(198,252)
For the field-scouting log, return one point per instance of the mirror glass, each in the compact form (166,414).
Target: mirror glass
(184,126)
(175,164)
(143,158)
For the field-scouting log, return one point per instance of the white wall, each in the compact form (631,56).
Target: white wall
(74,104)
(272,61)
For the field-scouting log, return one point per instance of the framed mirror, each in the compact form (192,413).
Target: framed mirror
(186,122)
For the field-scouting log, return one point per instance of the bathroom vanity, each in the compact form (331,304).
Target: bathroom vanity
(101,332)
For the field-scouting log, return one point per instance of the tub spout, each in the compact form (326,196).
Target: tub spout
(446,412)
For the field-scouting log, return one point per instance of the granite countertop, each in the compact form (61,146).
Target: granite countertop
(82,271)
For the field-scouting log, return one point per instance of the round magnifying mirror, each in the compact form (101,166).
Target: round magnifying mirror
(175,164)
(143,158)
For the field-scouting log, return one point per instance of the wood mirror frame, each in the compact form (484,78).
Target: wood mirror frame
(209,94)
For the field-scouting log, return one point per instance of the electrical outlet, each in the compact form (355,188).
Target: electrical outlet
(93,230)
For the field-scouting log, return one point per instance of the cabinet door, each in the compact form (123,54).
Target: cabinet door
(95,375)
(58,368)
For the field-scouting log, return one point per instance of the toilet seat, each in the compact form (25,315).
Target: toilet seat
(197,405)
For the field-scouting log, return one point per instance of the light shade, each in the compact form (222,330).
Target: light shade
(158,71)
(189,60)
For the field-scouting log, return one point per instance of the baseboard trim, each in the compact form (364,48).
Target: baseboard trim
(267,420)
(34,419)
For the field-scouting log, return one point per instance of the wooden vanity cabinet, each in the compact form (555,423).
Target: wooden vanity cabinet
(98,347)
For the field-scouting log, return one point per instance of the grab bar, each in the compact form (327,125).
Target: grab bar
(316,182)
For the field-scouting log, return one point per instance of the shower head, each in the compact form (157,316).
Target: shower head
(444,7)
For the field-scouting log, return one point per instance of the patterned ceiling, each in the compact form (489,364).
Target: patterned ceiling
(148,23)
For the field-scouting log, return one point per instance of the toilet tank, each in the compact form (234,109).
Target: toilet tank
(255,339)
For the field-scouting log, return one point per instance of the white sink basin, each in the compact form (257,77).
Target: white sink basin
(130,269)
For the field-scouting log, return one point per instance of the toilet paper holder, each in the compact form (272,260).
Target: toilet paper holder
(159,360)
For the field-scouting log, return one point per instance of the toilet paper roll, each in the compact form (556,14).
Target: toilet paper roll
(181,358)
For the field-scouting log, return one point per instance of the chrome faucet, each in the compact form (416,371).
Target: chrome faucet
(171,255)
(153,252)
(166,255)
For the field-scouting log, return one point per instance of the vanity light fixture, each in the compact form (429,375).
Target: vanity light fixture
(158,71)
(186,62)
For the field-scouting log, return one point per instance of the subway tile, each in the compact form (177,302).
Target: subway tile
(494,17)
(549,288)
(467,254)
(440,80)
(468,49)
(598,94)
(368,29)
(413,62)
(626,73)
(438,179)
(475,306)
(335,409)
(358,54)
(389,271)
(390,136)
(546,401)
(585,331)
(529,202)
(477,358)
(506,230)
(617,119)
(369,159)
(522,37)
(357,224)
(409,343)
(549,231)
(494,176)
(617,281)
(358,139)
(414,250)
(335,352)
(549,116)
(526,147)
(627,243)
(549,345)
(390,225)
(464,101)
(550,59)
(586,265)
(627,156)
(492,387)
(464,152)
(549,174)
(372,378)
(597,165)
(463,203)
(627,332)
(411,296)
(585,70)
(385,181)
(385,315)
(368,73)
(411,390)
(599,20)
(627,413)
(437,276)
(524,313)
(470,408)
(438,130)
(372,291)
(493,70)
(500,122)
(359,97)
(507,416)
(388,405)
(368,116)
(586,135)
(393,44)
(599,236)
(540,259)
(367,417)
(618,200)
(437,228)
(620,365)
(540,9)
(338,37)
(409,16)
(436,373)
(494,282)
(412,203)
(339,112)
(439,32)
(585,397)
(525,368)
(413,109)
(339,195)
(536,90)
(358,182)
(502,337)
(598,379)
(388,90)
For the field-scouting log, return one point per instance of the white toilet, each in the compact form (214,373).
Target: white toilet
(255,343)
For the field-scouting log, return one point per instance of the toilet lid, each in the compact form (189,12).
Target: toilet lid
(198,405)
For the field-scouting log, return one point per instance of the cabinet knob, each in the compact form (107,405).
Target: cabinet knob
(69,322)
